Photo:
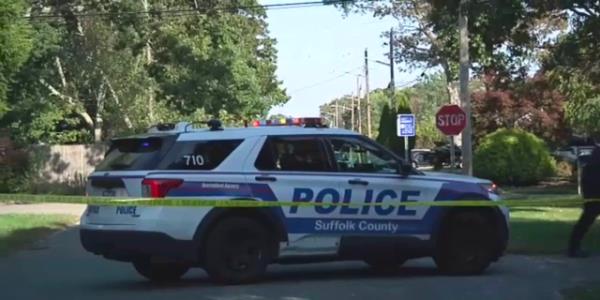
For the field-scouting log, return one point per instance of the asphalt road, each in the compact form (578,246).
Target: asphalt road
(59,269)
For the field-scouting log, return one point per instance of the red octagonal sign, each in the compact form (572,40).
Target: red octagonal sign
(451,119)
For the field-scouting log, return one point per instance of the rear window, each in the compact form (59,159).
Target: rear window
(198,155)
(133,154)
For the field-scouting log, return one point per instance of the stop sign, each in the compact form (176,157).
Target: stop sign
(451,119)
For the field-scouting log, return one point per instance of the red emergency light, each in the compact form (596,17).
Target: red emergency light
(306,122)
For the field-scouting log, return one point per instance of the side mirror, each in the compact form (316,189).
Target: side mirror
(405,170)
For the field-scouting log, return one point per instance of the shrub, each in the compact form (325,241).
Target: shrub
(514,157)
(13,167)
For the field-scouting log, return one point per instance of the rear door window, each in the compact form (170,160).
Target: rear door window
(293,154)
(132,154)
(199,155)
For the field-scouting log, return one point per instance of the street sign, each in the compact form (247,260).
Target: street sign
(406,125)
(451,120)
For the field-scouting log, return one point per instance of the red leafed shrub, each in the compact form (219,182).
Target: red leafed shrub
(532,105)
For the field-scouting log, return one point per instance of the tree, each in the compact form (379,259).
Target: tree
(384,136)
(15,45)
(573,64)
(532,104)
(93,77)
(426,98)
(388,132)
(504,34)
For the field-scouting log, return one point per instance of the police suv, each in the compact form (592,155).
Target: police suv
(357,193)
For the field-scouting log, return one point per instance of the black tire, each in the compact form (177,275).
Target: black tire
(238,250)
(160,272)
(385,265)
(467,244)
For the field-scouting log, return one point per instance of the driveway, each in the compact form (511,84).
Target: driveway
(59,269)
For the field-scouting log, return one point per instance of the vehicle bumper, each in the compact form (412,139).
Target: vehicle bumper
(124,245)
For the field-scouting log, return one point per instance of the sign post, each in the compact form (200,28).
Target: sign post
(406,127)
(451,120)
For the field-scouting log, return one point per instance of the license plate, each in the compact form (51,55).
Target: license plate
(127,211)
(109,193)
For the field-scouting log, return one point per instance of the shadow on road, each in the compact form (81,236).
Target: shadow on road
(284,277)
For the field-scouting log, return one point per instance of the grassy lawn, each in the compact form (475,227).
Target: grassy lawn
(586,292)
(546,230)
(18,231)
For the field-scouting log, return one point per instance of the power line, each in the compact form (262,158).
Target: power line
(346,73)
(190,11)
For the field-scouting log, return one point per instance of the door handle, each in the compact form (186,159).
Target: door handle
(358,182)
(265,178)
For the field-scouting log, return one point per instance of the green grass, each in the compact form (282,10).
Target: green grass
(17,231)
(546,230)
(590,291)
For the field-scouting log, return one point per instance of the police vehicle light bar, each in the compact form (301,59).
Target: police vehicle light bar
(307,122)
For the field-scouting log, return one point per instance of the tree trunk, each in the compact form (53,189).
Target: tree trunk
(452,89)
(99,112)
(148,51)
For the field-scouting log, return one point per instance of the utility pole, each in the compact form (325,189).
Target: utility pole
(337,113)
(369,131)
(465,100)
(358,110)
(352,113)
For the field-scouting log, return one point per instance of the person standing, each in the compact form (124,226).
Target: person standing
(590,186)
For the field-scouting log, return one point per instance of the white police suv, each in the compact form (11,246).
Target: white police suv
(299,162)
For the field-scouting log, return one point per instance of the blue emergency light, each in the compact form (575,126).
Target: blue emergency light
(306,122)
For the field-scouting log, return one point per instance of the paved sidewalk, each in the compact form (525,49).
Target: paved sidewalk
(43,208)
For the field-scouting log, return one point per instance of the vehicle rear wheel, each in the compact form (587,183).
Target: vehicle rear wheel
(160,272)
(238,251)
(467,244)
(385,265)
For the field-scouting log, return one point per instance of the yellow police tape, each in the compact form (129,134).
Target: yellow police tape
(198,202)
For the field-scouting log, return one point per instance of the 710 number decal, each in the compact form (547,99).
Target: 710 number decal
(194,160)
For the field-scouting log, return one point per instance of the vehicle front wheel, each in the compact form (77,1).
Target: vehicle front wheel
(467,244)
(238,251)
(160,272)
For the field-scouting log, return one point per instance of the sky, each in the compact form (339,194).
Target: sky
(321,52)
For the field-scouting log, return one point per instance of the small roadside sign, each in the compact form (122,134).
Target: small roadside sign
(406,125)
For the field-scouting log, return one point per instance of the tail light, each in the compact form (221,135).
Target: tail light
(159,188)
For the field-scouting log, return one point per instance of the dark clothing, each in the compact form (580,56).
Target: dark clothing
(590,187)
(588,216)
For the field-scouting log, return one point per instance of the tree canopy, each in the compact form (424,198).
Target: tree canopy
(89,77)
